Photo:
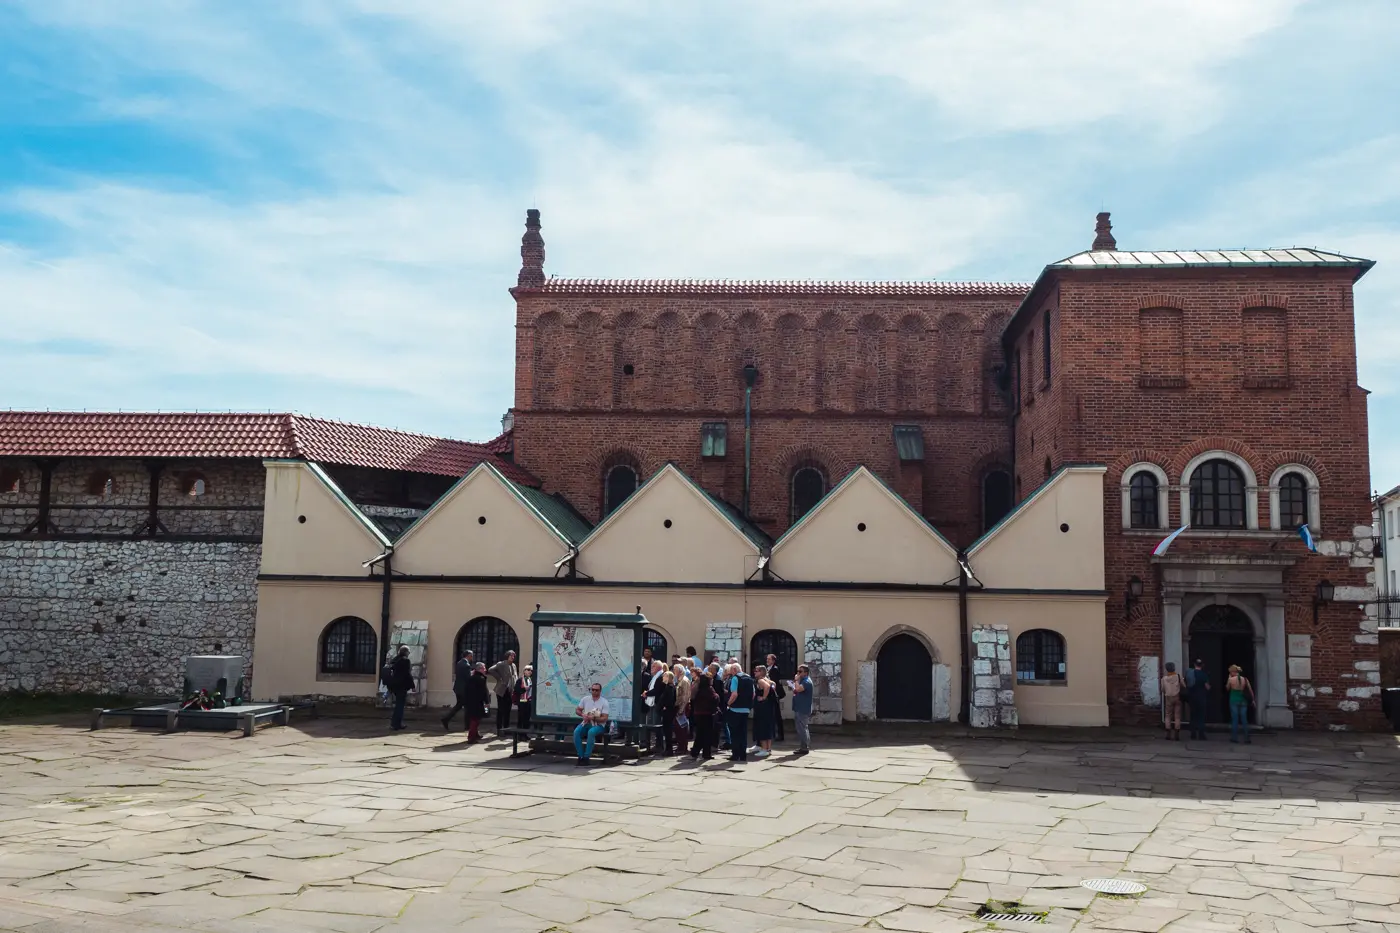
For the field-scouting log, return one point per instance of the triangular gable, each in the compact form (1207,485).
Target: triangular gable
(862,531)
(311,527)
(516,539)
(1053,539)
(703,543)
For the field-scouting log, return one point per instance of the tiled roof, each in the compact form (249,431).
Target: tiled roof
(556,511)
(1208,258)
(566,286)
(206,435)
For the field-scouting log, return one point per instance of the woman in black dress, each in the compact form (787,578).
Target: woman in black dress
(666,702)
(763,719)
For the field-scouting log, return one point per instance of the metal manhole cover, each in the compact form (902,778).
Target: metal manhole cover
(1113,886)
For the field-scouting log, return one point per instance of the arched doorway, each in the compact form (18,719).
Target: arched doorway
(488,638)
(656,641)
(774,641)
(1221,636)
(903,679)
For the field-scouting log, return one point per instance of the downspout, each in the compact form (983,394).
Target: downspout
(750,377)
(385,600)
(965,701)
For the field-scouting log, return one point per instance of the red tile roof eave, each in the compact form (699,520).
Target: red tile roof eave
(724,289)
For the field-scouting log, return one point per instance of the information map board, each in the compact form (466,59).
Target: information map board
(574,650)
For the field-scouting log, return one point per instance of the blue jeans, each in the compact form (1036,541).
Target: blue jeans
(1239,720)
(396,720)
(592,732)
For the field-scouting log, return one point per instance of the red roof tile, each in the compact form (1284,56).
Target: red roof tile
(237,436)
(567,286)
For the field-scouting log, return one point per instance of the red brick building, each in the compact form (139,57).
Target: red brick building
(1218,387)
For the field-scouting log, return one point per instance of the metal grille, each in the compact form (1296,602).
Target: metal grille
(774,641)
(654,640)
(1018,918)
(1040,655)
(1217,495)
(1292,500)
(488,638)
(1142,499)
(348,647)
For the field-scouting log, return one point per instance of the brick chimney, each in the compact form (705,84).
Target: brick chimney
(532,253)
(1103,237)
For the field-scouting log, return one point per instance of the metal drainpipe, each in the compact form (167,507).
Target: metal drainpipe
(750,377)
(965,702)
(384,602)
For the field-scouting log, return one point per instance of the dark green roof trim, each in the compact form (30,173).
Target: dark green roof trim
(1035,493)
(850,477)
(555,510)
(365,521)
(751,532)
(548,617)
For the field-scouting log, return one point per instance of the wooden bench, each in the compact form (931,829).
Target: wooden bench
(558,738)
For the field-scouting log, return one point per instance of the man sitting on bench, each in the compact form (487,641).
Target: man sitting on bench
(593,711)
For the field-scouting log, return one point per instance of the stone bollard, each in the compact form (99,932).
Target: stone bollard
(250,723)
(96,722)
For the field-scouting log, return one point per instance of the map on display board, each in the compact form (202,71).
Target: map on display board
(570,658)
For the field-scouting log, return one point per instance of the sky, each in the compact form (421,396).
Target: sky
(317,206)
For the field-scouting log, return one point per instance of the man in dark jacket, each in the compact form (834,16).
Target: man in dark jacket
(400,683)
(478,697)
(461,674)
(777,696)
(1197,698)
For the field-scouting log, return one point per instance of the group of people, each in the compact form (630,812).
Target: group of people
(1195,690)
(691,707)
(685,707)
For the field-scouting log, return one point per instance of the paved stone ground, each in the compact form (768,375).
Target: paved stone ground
(336,825)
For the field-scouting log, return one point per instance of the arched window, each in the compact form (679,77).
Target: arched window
(194,485)
(619,482)
(1217,495)
(1045,347)
(1040,657)
(488,639)
(808,487)
(9,480)
(774,641)
(1142,501)
(348,647)
(101,483)
(654,640)
(996,497)
(1293,500)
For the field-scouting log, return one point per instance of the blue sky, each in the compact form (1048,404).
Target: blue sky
(317,206)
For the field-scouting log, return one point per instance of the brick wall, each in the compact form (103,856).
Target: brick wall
(599,376)
(1160,367)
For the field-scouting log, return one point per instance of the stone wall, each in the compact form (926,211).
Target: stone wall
(993,693)
(121,616)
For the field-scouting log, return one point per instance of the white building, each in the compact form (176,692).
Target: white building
(1385,515)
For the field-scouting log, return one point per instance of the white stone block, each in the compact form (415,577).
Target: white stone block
(1367,665)
(1004,652)
(986,650)
(1354,594)
(1367,639)
(1324,690)
(1006,697)
(1373,677)
(982,717)
(942,693)
(1000,626)
(1300,668)
(865,689)
(1300,646)
(1327,548)
(1363,692)
(1361,532)
(981,666)
(1348,706)
(1009,717)
(1147,681)
(986,681)
(984,698)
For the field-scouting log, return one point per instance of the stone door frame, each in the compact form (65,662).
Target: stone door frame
(1254,585)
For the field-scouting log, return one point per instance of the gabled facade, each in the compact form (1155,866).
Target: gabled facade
(864,532)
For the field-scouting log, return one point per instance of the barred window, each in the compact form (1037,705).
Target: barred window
(1142,501)
(774,641)
(488,639)
(1217,495)
(1040,657)
(348,647)
(1292,500)
(654,640)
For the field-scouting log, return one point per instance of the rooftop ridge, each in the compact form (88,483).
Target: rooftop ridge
(718,286)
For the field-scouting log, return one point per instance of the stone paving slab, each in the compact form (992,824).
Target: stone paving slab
(336,825)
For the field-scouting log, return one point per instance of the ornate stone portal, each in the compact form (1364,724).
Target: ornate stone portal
(1254,586)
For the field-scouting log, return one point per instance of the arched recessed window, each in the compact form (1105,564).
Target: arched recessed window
(808,485)
(619,482)
(654,640)
(9,480)
(996,497)
(1292,500)
(1217,495)
(774,641)
(1045,347)
(348,647)
(488,639)
(101,483)
(1142,501)
(1040,657)
(193,485)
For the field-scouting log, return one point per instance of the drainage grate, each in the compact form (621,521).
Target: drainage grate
(1113,886)
(1008,912)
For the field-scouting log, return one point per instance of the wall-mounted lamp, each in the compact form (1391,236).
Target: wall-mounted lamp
(1325,592)
(1133,595)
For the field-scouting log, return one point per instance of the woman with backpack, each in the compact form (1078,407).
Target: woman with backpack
(1241,695)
